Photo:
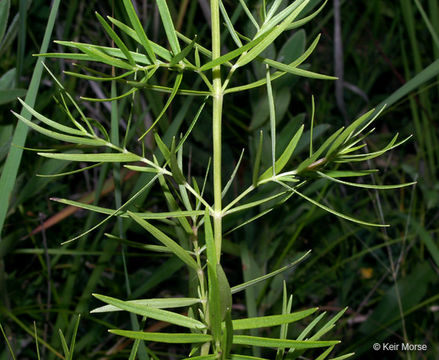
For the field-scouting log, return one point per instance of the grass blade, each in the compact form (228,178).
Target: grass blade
(10,168)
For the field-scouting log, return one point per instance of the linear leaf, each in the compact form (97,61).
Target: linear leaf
(166,240)
(296,71)
(365,186)
(98,55)
(159,50)
(146,169)
(246,357)
(176,171)
(306,19)
(280,343)
(232,177)
(174,92)
(336,213)
(252,282)
(183,53)
(168,25)
(51,123)
(62,137)
(348,173)
(286,155)
(258,157)
(137,25)
(116,39)
(273,320)
(164,303)
(154,313)
(104,157)
(214,292)
(255,203)
(170,338)
(269,37)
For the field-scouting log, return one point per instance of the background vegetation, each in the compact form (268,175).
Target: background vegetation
(383,51)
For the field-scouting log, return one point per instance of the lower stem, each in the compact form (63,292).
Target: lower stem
(216,125)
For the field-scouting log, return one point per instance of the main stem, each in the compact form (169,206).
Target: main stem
(216,126)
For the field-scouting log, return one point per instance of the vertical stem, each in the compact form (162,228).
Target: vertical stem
(216,126)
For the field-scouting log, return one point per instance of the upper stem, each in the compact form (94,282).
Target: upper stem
(216,126)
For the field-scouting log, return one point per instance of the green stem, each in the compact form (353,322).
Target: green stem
(216,126)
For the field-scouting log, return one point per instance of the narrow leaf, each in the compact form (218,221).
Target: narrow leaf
(269,321)
(280,343)
(165,303)
(104,157)
(170,338)
(62,137)
(116,39)
(247,284)
(174,92)
(154,313)
(286,155)
(137,25)
(168,25)
(296,71)
(166,240)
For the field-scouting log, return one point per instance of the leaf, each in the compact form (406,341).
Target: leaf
(11,95)
(214,309)
(348,132)
(336,213)
(224,291)
(257,165)
(254,203)
(232,177)
(98,55)
(280,343)
(62,137)
(165,240)
(232,54)
(154,313)
(270,36)
(365,186)
(176,171)
(104,157)
(52,123)
(157,303)
(170,338)
(307,19)
(269,321)
(4,14)
(168,25)
(116,39)
(137,25)
(252,282)
(285,157)
(171,97)
(296,71)
(347,173)
(182,55)
(246,357)
(159,50)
